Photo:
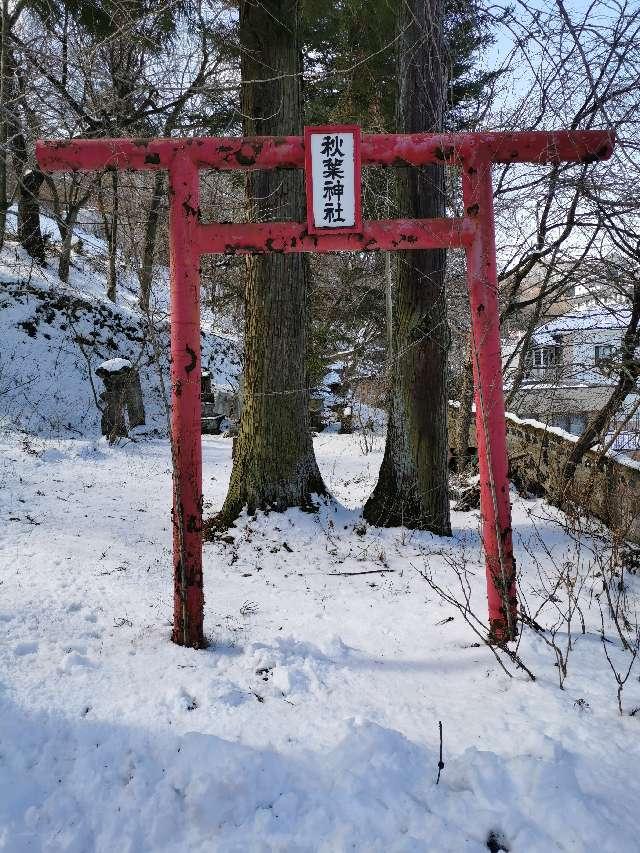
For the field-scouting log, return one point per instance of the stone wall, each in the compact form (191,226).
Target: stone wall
(606,488)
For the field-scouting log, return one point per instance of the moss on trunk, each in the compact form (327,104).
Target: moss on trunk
(274,466)
(412,488)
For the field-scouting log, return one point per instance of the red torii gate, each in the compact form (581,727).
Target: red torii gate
(473,153)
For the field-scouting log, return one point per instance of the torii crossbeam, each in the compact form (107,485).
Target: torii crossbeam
(473,154)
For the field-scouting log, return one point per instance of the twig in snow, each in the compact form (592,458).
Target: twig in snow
(440,762)
(367,572)
(473,621)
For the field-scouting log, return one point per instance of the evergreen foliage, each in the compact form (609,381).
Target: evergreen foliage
(350,50)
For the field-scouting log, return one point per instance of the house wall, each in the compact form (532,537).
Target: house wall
(580,366)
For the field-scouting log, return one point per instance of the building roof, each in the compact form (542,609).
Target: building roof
(591,317)
(543,399)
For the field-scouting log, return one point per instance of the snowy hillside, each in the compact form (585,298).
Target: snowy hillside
(54,336)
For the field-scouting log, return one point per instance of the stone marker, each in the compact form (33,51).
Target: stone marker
(122,389)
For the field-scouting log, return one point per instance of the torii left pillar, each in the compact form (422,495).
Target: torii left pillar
(186,438)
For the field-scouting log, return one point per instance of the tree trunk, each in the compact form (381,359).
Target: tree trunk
(29,179)
(274,466)
(464,417)
(112,275)
(520,372)
(412,488)
(65,216)
(150,233)
(4,92)
(110,224)
(66,226)
(29,233)
(388,298)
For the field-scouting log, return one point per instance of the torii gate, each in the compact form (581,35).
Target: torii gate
(473,154)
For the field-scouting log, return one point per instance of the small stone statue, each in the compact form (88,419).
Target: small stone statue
(121,389)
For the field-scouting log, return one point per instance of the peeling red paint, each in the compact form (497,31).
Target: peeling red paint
(495,508)
(241,238)
(265,152)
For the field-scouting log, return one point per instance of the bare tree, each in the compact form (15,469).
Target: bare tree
(575,69)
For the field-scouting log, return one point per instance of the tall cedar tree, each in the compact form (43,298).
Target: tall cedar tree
(351,53)
(274,466)
(412,488)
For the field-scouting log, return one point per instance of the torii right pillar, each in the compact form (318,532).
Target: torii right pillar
(491,439)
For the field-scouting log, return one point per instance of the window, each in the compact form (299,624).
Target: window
(577,424)
(603,352)
(545,356)
(543,360)
(573,423)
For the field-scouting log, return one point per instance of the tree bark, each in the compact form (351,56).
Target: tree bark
(274,465)
(388,298)
(66,226)
(29,233)
(29,180)
(4,91)
(525,347)
(412,488)
(112,274)
(464,418)
(110,223)
(76,198)
(150,234)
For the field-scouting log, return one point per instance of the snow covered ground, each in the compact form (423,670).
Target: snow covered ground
(311,721)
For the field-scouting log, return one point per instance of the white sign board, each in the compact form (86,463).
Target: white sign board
(333,178)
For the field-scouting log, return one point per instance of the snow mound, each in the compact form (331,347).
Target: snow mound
(114,365)
(79,786)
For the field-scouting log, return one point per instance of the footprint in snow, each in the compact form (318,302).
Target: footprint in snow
(182,700)
(80,648)
(22,649)
(75,659)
